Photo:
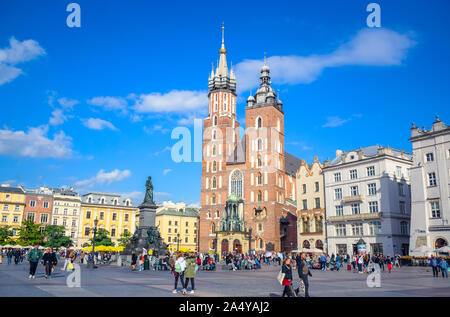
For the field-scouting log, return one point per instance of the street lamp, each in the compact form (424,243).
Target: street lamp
(250,240)
(91,264)
(178,242)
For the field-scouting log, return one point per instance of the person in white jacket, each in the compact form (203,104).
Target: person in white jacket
(360,263)
(180,267)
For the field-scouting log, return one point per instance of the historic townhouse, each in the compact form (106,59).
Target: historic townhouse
(114,213)
(66,211)
(311,207)
(430,181)
(367,198)
(178,225)
(39,206)
(12,203)
(248,184)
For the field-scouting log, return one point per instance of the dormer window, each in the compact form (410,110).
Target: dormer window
(102,201)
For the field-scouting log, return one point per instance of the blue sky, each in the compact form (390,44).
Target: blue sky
(94,107)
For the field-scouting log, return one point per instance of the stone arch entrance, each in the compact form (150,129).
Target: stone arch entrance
(440,243)
(224,246)
(237,246)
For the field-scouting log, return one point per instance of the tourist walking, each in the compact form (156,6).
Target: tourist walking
(66,259)
(133,260)
(286,268)
(360,263)
(16,255)
(49,260)
(444,268)
(34,256)
(9,255)
(434,266)
(304,272)
(389,263)
(179,269)
(190,273)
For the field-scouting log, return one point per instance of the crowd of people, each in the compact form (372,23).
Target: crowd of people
(184,267)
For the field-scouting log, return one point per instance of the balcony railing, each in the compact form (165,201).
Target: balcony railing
(360,217)
(353,198)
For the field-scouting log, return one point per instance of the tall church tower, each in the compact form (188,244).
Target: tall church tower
(220,135)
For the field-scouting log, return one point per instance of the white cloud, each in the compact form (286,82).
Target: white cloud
(334,121)
(167,171)
(176,101)
(97,124)
(67,103)
(35,143)
(151,130)
(17,52)
(167,148)
(371,47)
(103,177)
(58,117)
(109,103)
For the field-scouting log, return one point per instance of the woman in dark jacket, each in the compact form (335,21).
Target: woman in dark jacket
(133,260)
(49,260)
(287,270)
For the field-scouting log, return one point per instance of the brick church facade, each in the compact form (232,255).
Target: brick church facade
(246,173)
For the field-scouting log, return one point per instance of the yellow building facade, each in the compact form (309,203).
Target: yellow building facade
(178,225)
(310,207)
(115,214)
(12,204)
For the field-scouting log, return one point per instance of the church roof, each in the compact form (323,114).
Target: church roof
(291,164)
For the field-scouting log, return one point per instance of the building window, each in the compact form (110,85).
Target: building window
(357,229)
(399,171)
(187,231)
(55,222)
(304,188)
(373,206)
(319,227)
(215,121)
(169,239)
(217,215)
(5,207)
(371,171)
(259,179)
(114,216)
(170,223)
(86,231)
(186,240)
(353,174)
(45,204)
(259,144)
(214,166)
(402,207)
(339,210)
(176,223)
(354,190)
(338,193)
(127,217)
(72,235)
(213,199)
(340,230)
(214,182)
(16,219)
(44,218)
(432,179)
(316,186)
(102,215)
(17,208)
(305,204)
(430,157)
(56,211)
(435,210)
(32,203)
(113,232)
(400,189)
(65,211)
(404,228)
(259,195)
(317,200)
(375,227)
(236,183)
(306,225)
(356,210)
(372,189)
(74,223)
(88,214)
(64,222)
(337,177)
(4,218)
(259,161)
(259,122)
(31,216)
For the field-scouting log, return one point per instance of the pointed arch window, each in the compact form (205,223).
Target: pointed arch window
(214,167)
(237,180)
(259,179)
(214,135)
(215,121)
(259,161)
(214,182)
(213,199)
(259,122)
(260,144)
(214,150)
(259,195)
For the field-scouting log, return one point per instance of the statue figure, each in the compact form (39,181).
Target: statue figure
(153,235)
(149,192)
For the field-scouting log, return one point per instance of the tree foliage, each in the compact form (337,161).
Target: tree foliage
(56,234)
(102,238)
(5,235)
(29,233)
(124,239)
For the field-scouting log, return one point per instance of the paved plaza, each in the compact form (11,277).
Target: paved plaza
(120,281)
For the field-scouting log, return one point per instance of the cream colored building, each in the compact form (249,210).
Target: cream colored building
(12,204)
(178,225)
(114,213)
(310,207)
(66,211)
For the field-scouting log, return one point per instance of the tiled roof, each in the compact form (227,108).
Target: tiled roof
(291,164)
(12,190)
(188,212)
